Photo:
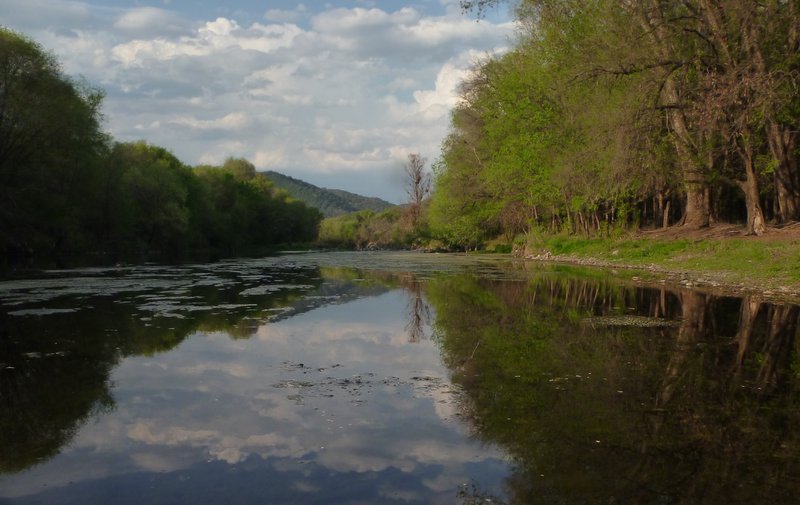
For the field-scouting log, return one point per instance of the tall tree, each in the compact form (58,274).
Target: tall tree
(722,74)
(418,184)
(50,144)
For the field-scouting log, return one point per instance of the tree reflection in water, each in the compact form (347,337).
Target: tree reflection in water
(603,394)
(598,392)
(55,371)
(418,311)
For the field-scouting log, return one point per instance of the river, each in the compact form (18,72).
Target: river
(392,378)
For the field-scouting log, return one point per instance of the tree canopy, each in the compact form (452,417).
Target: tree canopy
(610,113)
(69,193)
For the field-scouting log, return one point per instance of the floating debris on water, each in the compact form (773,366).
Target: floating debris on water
(634,321)
(272,288)
(40,312)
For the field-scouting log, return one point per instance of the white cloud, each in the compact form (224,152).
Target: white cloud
(150,21)
(238,370)
(220,151)
(226,400)
(346,22)
(214,37)
(270,158)
(225,447)
(429,105)
(284,15)
(232,121)
(343,92)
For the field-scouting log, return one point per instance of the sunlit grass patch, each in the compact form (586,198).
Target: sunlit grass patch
(737,258)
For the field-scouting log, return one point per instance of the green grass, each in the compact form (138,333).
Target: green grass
(738,260)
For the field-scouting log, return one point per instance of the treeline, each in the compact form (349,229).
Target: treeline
(609,114)
(369,230)
(398,227)
(70,194)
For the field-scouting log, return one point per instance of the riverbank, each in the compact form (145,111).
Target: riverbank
(719,258)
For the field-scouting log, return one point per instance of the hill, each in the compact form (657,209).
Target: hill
(331,202)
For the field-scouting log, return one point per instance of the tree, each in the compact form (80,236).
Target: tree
(50,148)
(716,79)
(154,190)
(240,168)
(67,194)
(418,184)
(245,212)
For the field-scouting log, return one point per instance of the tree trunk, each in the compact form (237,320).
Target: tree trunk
(782,144)
(570,226)
(584,224)
(755,217)
(778,349)
(748,313)
(698,206)
(692,330)
(664,203)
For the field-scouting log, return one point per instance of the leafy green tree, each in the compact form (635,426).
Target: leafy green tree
(240,168)
(649,100)
(50,145)
(245,211)
(68,195)
(153,193)
(366,229)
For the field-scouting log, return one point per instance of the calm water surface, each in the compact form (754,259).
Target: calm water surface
(391,378)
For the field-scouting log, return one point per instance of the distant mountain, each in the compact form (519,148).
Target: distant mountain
(331,202)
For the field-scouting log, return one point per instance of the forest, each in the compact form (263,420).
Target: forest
(610,114)
(603,116)
(70,194)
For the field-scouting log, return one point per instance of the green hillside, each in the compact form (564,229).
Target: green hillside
(331,202)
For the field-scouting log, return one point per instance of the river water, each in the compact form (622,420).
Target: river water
(350,378)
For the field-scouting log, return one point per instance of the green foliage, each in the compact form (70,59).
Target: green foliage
(50,151)
(610,115)
(240,168)
(151,199)
(68,195)
(245,211)
(390,229)
(157,206)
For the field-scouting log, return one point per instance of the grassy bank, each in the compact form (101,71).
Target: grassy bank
(770,263)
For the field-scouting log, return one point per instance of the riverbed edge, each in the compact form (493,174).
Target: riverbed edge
(734,267)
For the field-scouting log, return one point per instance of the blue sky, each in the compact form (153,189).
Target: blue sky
(336,93)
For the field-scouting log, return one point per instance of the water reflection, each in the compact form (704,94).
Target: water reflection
(601,400)
(406,380)
(62,336)
(280,382)
(418,312)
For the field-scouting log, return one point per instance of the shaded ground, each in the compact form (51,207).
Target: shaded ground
(786,232)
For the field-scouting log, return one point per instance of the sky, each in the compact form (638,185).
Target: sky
(336,93)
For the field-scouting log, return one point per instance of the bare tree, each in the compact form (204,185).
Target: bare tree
(419,314)
(418,183)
